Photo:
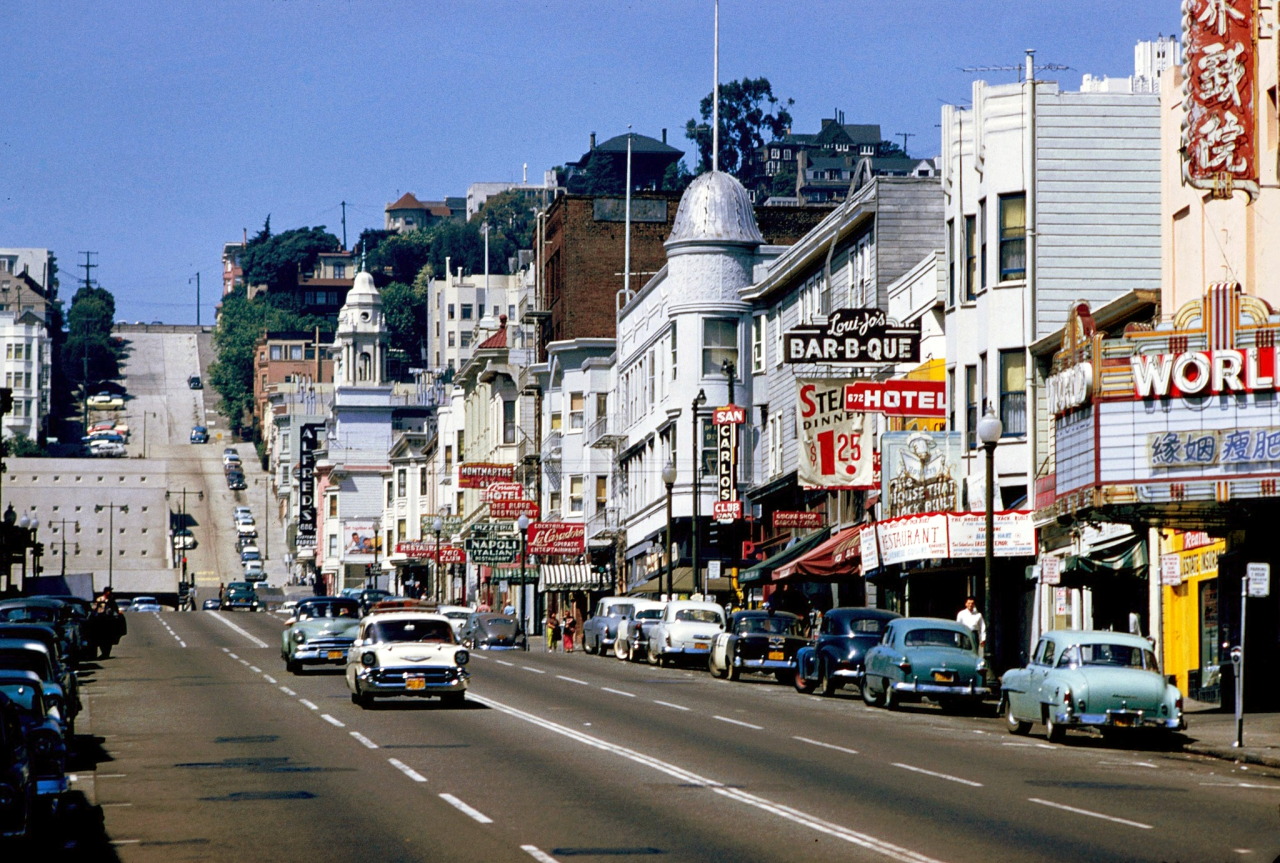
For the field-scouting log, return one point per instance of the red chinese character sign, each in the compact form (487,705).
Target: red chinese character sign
(836,444)
(1219,130)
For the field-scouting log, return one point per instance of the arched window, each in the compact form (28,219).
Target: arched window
(365,366)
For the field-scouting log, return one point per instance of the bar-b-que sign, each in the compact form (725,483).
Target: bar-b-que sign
(853,337)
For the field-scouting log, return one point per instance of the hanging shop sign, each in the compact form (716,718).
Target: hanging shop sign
(484,474)
(953,535)
(726,511)
(726,461)
(735,414)
(1050,570)
(1219,131)
(452,554)
(920,472)
(490,527)
(425,549)
(309,442)
(556,537)
(853,337)
(493,549)
(1181,418)
(502,491)
(514,509)
(785,518)
(449,524)
(837,449)
(898,398)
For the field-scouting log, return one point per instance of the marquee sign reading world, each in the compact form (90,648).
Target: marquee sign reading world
(853,337)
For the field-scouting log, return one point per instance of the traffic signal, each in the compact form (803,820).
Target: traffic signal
(6,400)
(368,570)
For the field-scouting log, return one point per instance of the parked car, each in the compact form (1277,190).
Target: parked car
(248,553)
(48,745)
(835,655)
(242,511)
(235,482)
(105,401)
(240,595)
(103,436)
(319,632)
(63,670)
(925,657)
(18,806)
(601,629)
(145,604)
(184,539)
(194,382)
(230,458)
(411,653)
(1083,678)
(685,629)
(635,619)
(492,631)
(24,654)
(60,613)
(199,434)
(253,570)
(107,449)
(763,641)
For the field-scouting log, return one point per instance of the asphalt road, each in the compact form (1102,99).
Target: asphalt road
(208,750)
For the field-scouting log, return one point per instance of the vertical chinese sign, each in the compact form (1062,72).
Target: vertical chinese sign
(1220,127)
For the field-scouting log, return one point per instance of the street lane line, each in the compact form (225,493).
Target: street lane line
(936,775)
(504,662)
(365,740)
(795,816)
(618,692)
(257,642)
(232,655)
(406,770)
(572,680)
(255,669)
(1065,808)
(308,704)
(226,650)
(826,745)
(462,807)
(335,722)
(287,691)
(669,704)
(268,678)
(245,663)
(540,856)
(739,722)
(534,670)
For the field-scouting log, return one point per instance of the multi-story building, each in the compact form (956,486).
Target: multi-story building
(835,139)
(300,359)
(38,264)
(232,274)
(650,159)
(464,310)
(407,214)
(25,364)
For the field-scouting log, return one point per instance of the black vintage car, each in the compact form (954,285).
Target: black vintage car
(835,656)
(18,803)
(489,631)
(763,641)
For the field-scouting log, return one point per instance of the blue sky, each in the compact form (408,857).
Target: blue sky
(153,131)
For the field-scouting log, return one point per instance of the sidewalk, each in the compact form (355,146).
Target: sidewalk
(1211,731)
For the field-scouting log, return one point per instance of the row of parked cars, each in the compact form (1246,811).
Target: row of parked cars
(1074,678)
(43,640)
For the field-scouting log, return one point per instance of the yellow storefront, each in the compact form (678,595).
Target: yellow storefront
(1192,646)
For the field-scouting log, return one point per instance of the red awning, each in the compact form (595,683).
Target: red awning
(838,557)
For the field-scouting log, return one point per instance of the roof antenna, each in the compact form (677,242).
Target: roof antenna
(715,100)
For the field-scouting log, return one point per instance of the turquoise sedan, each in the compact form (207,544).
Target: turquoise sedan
(925,657)
(1082,678)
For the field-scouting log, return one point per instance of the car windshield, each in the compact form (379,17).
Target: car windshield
(25,660)
(698,615)
(938,638)
(1112,655)
(649,614)
(859,626)
(310,610)
(412,630)
(770,625)
(24,695)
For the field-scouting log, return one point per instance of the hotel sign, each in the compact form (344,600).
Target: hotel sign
(484,474)
(1220,128)
(853,337)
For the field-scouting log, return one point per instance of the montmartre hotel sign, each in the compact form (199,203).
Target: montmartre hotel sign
(1175,416)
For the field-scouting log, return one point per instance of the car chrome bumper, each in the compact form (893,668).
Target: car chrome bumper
(51,787)
(320,655)
(971,690)
(771,664)
(693,650)
(847,674)
(1119,719)
(396,681)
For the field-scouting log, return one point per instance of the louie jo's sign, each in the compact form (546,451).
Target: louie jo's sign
(853,337)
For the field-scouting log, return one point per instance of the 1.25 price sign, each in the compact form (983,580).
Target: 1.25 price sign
(836,445)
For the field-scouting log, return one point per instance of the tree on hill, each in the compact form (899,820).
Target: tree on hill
(275,260)
(750,117)
(459,243)
(399,257)
(405,309)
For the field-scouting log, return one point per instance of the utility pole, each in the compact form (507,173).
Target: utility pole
(904,136)
(88,266)
(197,280)
(344,225)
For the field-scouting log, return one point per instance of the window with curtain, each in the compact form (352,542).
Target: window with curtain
(757,344)
(402,482)
(982,244)
(576,404)
(1013,236)
(1013,392)
(576,485)
(509,421)
(719,343)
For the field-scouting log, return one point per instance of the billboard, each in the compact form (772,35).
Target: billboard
(921,471)
(837,446)
(359,538)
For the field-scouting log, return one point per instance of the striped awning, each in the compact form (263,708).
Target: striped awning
(571,576)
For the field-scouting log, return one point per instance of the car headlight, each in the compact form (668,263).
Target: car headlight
(461,657)
(981,666)
(368,659)
(299,636)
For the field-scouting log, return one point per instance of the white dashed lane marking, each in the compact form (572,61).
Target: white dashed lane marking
(406,770)
(468,810)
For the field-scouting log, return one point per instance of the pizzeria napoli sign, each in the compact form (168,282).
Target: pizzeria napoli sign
(853,337)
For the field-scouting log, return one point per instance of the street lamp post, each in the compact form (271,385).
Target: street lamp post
(669,480)
(111,535)
(989,431)
(523,524)
(695,533)
(30,523)
(181,553)
(437,526)
(62,529)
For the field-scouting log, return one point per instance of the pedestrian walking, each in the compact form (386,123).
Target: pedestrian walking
(552,625)
(972,618)
(570,628)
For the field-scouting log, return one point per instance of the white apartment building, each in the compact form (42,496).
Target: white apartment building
(25,361)
(465,310)
(36,263)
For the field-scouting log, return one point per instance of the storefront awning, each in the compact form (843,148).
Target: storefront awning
(838,557)
(764,570)
(571,576)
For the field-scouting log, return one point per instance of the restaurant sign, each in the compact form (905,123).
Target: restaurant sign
(853,337)
(954,535)
(556,537)
(837,449)
(483,474)
(493,549)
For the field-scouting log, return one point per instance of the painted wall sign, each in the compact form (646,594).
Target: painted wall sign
(853,337)
(920,470)
(484,474)
(898,398)
(837,447)
(1220,127)
(556,537)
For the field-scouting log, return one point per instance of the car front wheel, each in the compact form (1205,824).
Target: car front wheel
(870,698)
(802,683)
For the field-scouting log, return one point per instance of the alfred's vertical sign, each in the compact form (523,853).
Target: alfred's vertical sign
(310,438)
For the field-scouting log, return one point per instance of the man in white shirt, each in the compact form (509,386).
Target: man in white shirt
(972,618)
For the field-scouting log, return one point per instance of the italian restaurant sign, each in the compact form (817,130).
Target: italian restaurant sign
(837,445)
(853,337)
(1220,130)
(953,535)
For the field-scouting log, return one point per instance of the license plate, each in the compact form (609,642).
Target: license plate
(944,676)
(415,683)
(335,654)
(1123,720)
(775,654)
(698,646)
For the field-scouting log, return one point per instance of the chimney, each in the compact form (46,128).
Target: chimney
(664,136)
(593,140)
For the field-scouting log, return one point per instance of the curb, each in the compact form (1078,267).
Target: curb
(1230,753)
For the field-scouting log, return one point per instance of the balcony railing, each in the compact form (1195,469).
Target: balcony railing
(606,522)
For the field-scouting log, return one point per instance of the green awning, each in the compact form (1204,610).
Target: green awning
(763,571)
(1126,557)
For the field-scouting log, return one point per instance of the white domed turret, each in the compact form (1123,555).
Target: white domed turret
(715,209)
(361,336)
